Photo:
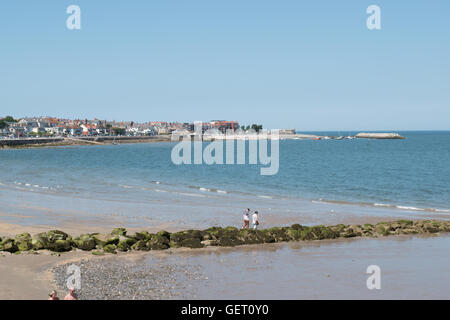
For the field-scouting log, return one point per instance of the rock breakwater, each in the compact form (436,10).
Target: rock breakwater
(120,240)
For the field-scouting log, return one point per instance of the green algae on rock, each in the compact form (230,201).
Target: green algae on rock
(119,240)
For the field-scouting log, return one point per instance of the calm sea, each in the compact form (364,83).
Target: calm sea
(408,177)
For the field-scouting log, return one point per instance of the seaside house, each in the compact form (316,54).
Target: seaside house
(89,129)
(223,125)
(73,130)
(102,131)
(57,131)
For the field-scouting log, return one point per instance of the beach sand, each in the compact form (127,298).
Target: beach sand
(413,267)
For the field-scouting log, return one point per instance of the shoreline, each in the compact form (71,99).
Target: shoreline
(31,276)
(121,240)
(39,142)
(29,143)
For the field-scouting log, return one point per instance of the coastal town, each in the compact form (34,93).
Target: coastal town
(57,127)
(57,131)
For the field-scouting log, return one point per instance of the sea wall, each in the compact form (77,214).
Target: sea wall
(79,140)
(120,240)
(28,141)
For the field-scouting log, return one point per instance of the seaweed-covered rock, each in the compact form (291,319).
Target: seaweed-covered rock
(59,241)
(123,246)
(209,243)
(250,236)
(158,242)
(225,237)
(38,241)
(8,245)
(431,227)
(119,231)
(60,246)
(187,238)
(54,235)
(280,234)
(164,233)
(382,228)
(140,245)
(105,239)
(85,242)
(110,248)
(23,242)
(305,233)
(192,243)
(322,232)
(53,240)
(352,231)
(143,235)
(125,243)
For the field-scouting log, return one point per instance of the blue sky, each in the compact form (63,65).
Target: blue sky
(283,63)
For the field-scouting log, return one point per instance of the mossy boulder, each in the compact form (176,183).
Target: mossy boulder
(322,232)
(54,235)
(140,245)
(209,243)
(105,239)
(119,231)
(187,238)
(143,235)
(368,230)
(23,241)
(280,234)
(85,242)
(192,243)
(39,241)
(164,233)
(304,234)
(430,227)
(158,242)
(382,229)
(125,243)
(53,240)
(123,246)
(250,236)
(225,237)
(351,231)
(8,245)
(60,246)
(110,248)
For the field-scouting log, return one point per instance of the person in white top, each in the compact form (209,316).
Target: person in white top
(255,220)
(246,219)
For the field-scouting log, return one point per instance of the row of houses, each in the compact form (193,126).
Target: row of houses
(49,126)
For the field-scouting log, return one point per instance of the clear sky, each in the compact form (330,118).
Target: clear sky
(309,65)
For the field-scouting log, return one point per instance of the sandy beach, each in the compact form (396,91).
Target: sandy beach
(298,270)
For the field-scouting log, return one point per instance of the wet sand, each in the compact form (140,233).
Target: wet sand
(412,267)
(28,276)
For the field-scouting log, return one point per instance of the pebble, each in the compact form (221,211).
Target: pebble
(123,280)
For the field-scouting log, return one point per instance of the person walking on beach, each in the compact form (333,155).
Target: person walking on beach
(246,219)
(71,295)
(255,220)
(53,295)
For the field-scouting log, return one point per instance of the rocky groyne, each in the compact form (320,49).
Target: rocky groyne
(379,135)
(120,240)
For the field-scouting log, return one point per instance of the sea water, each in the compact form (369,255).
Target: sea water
(317,182)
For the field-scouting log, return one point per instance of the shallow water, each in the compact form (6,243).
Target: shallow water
(327,181)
